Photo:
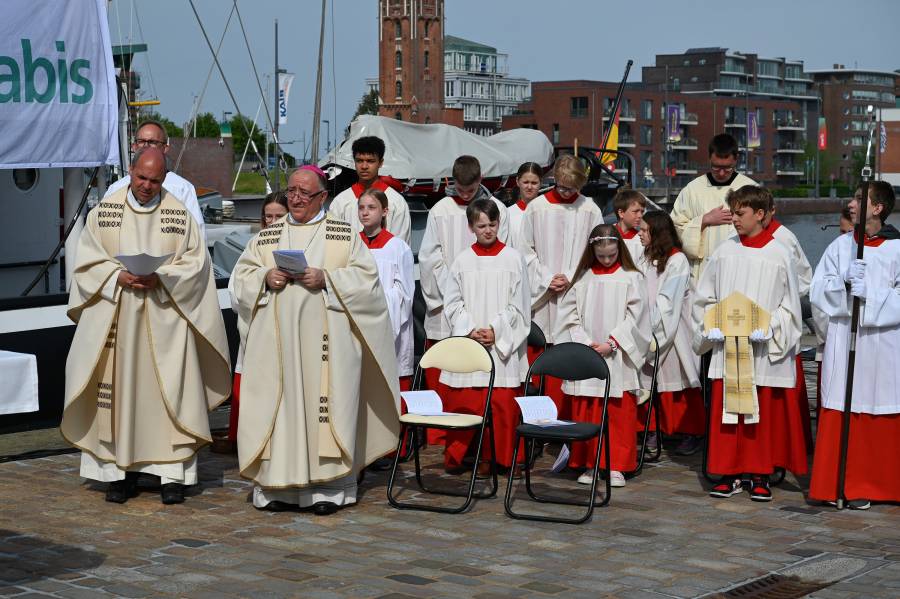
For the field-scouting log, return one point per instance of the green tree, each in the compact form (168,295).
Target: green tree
(240,125)
(172,130)
(368,104)
(207,125)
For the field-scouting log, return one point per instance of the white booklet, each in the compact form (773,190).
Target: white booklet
(142,264)
(424,403)
(540,410)
(292,261)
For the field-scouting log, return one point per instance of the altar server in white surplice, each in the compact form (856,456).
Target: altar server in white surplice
(555,232)
(606,308)
(773,434)
(629,206)
(488,300)
(667,273)
(873,452)
(700,213)
(528,183)
(394,260)
(447,234)
(368,158)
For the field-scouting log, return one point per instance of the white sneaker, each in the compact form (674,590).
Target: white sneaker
(586,477)
(616,479)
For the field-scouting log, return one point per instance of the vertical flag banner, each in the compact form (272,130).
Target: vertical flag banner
(611,142)
(58,103)
(673,122)
(752,130)
(822,136)
(882,139)
(284,89)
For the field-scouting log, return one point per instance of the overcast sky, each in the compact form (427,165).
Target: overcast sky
(564,39)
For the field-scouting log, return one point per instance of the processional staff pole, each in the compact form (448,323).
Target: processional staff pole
(865,174)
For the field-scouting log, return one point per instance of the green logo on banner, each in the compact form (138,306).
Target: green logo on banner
(64,82)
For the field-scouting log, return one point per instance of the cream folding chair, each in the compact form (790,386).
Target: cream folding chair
(460,355)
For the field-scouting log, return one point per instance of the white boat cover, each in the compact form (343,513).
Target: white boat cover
(427,151)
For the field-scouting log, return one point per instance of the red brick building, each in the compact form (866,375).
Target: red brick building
(411,62)
(566,110)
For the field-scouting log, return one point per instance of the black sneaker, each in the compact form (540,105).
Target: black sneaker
(121,491)
(759,489)
(689,445)
(728,487)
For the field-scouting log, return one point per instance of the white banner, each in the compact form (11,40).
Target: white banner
(284,89)
(58,103)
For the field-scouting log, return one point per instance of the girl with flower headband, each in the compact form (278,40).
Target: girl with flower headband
(606,308)
(667,273)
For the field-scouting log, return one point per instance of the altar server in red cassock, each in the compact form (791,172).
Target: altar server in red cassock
(773,435)
(606,308)
(873,454)
(528,182)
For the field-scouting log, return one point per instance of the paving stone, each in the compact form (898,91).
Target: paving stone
(410,579)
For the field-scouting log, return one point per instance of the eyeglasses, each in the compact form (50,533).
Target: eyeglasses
(566,191)
(721,169)
(153,143)
(303,195)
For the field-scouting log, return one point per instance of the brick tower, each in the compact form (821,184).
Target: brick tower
(411,60)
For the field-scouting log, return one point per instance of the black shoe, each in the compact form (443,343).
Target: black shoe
(382,464)
(121,491)
(278,506)
(172,493)
(324,508)
(689,446)
(759,489)
(726,488)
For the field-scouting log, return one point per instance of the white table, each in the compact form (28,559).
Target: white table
(18,383)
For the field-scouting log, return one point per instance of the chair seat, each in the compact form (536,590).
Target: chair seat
(452,421)
(576,432)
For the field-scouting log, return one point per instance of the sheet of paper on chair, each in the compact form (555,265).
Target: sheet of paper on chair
(539,410)
(142,264)
(424,403)
(292,261)
(562,459)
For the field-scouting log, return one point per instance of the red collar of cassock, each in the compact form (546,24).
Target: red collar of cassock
(378,184)
(598,269)
(773,226)
(629,234)
(522,205)
(379,241)
(871,242)
(674,251)
(554,198)
(757,241)
(490,250)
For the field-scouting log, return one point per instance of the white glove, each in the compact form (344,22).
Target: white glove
(760,336)
(715,334)
(857,270)
(858,288)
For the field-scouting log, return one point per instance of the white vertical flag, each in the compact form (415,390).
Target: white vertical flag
(284,89)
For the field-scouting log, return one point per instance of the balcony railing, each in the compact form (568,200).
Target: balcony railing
(685,143)
(689,118)
(790,147)
(623,114)
(786,123)
(626,140)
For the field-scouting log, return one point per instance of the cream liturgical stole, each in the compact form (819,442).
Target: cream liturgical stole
(737,316)
(145,366)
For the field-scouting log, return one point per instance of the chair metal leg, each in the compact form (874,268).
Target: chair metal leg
(590,504)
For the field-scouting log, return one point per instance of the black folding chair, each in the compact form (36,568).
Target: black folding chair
(573,362)
(652,402)
(461,355)
(536,339)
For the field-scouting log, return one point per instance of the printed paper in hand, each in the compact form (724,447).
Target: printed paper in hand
(540,410)
(424,403)
(142,264)
(292,261)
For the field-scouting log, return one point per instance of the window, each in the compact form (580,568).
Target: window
(398,59)
(702,61)
(865,94)
(767,68)
(398,89)
(426,58)
(647,109)
(646,135)
(427,23)
(873,79)
(687,63)
(398,29)
(579,107)
(398,116)
(25,178)
(555,133)
(888,97)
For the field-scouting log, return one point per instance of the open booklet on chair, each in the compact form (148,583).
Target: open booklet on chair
(540,410)
(424,403)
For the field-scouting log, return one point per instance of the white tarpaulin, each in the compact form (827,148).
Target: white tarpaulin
(58,103)
(428,151)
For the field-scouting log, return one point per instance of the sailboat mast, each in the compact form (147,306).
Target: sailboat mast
(276,187)
(317,112)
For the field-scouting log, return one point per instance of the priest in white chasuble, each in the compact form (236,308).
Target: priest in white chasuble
(319,388)
(150,356)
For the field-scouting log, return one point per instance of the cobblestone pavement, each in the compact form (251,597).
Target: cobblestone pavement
(661,536)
